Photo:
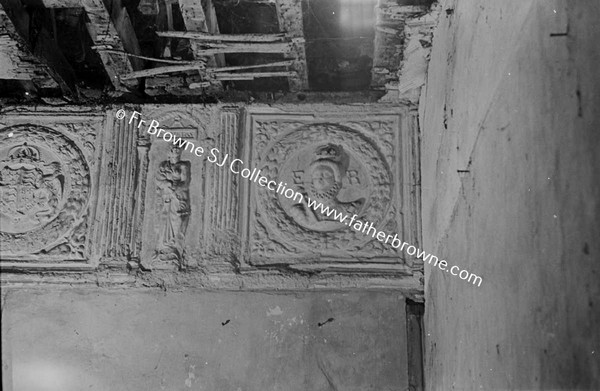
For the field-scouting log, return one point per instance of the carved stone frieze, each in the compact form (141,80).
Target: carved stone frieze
(83,190)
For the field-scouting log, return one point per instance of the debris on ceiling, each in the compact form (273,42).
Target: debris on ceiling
(151,50)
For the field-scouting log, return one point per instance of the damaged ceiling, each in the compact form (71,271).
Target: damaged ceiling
(84,51)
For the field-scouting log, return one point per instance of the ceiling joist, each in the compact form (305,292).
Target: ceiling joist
(207,37)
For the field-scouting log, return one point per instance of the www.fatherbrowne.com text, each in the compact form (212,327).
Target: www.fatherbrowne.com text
(237,167)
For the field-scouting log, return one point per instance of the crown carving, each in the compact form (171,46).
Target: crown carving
(329,152)
(24,153)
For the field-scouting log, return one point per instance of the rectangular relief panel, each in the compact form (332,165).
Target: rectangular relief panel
(361,162)
(190,206)
(49,171)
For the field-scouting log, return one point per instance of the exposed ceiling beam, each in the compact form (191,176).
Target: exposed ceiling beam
(289,14)
(43,47)
(196,20)
(286,63)
(16,61)
(199,65)
(108,49)
(253,75)
(208,37)
(243,47)
(163,70)
(116,31)
(213,27)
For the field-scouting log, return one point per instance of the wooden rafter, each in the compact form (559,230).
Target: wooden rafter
(162,70)
(286,63)
(114,30)
(103,48)
(219,73)
(253,75)
(206,42)
(213,28)
(195,20)
(208,37)
(244,47)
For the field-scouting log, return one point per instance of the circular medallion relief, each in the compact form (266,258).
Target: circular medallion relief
(44,187)
(335,167)
(329,174)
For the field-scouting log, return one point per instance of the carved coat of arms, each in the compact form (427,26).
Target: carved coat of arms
(30,189)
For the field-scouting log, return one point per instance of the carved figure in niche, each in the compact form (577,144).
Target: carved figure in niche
(173,184)
(322,182)
(30,189)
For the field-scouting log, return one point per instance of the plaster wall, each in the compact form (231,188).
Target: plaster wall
(79,339)
(511,193)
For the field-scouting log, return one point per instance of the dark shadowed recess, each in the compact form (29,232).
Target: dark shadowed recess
(245,17)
